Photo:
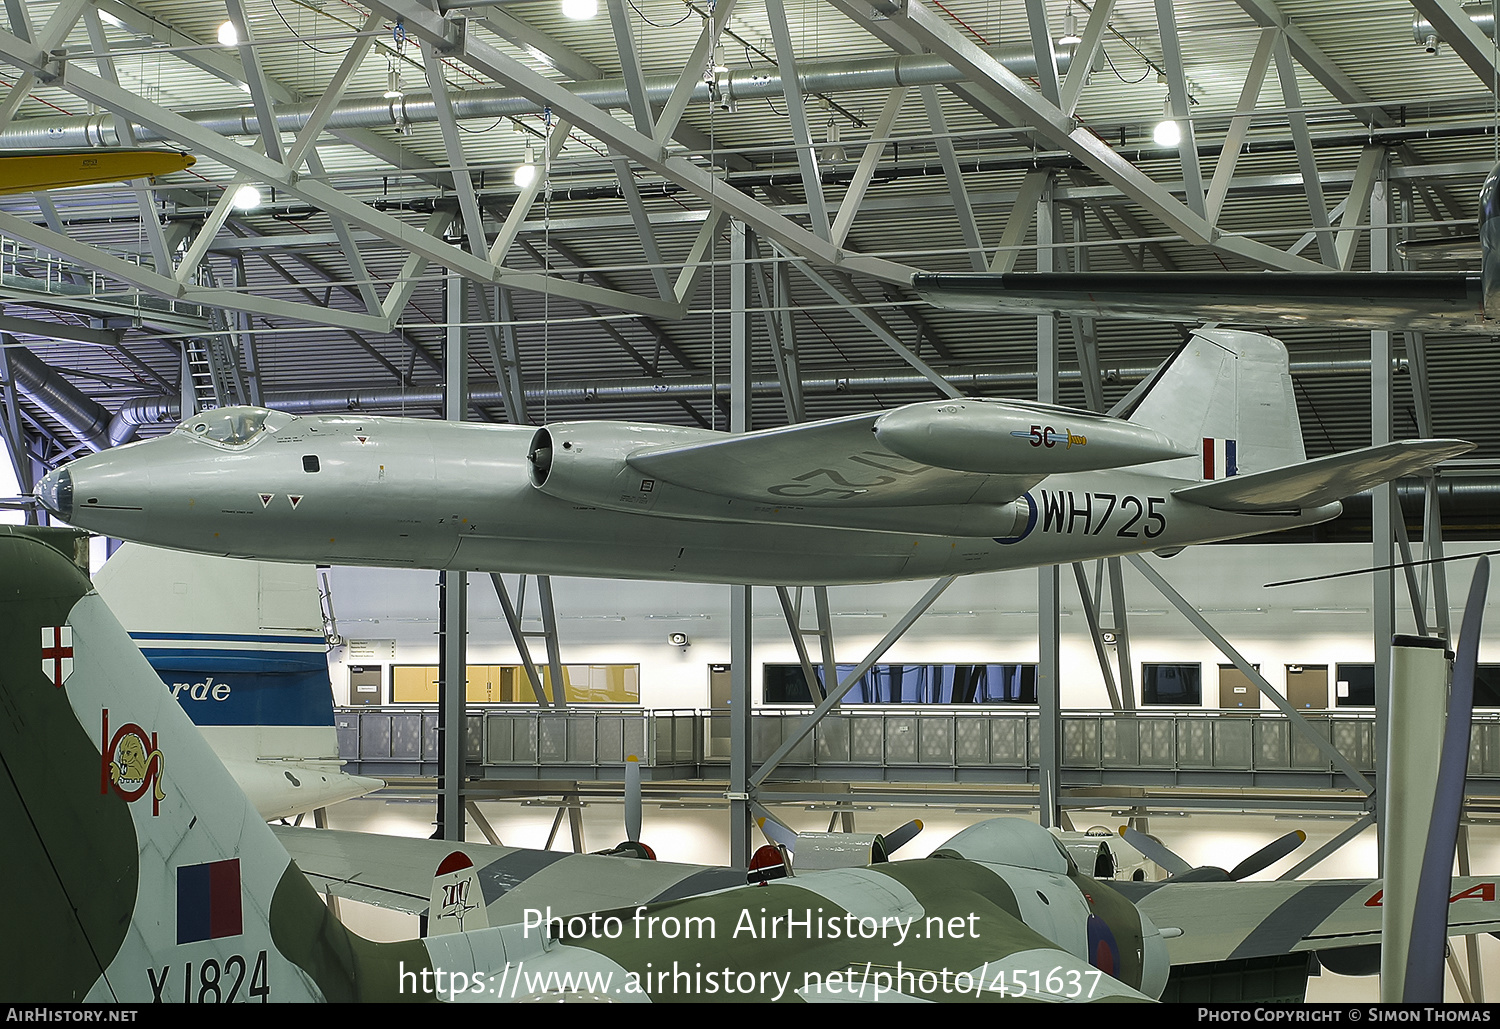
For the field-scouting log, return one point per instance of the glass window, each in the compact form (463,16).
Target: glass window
(911,684)
(1172,684)
(232,426)
(508,684)
(1354,685)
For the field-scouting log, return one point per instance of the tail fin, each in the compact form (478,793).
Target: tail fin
(1228,394)
(136,867)
(261,697)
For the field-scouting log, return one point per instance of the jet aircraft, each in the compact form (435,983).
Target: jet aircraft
(142,873)
(1211,450)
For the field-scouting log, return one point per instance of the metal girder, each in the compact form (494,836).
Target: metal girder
(653,328)
(1091,616)
(881,330)
(639,148)
(1308,863)
(1294,717)
(327,278)
(869,160)
(513,620)
(453,147)
(223,65)
(847,683)
(144,196)
(1041,45)
(1049,593)
(630,67)
(516,217)
(319,194)
(1083,56)
(1180,104)
(794,628)
(1307,163)
(64,17)
(1239,125)
(1022,214)
(796,112)
(1370,170)
(776,305)
(955,176)
(700,60)
(1318,64)
(260,93)
(1010,100)
(165,286)
(1457,29)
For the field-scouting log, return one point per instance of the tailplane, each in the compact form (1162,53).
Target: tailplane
(1228,395)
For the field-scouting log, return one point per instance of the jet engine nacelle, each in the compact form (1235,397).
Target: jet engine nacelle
(584,462)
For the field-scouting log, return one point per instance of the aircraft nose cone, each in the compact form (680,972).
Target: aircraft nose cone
(55,493)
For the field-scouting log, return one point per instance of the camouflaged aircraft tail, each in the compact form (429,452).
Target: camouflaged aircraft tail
(137,867)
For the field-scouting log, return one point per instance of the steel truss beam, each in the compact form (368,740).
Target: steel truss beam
(637,146)
(909,26)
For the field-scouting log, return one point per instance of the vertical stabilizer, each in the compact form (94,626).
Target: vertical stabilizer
(135,870)
(1228,395)
(240,644)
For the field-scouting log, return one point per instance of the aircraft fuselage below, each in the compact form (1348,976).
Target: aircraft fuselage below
(400,492)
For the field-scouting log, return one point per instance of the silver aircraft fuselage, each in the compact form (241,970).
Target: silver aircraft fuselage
(399,492)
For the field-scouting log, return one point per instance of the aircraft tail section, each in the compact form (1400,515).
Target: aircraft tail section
(138,869)
(240,644)
(1227,394)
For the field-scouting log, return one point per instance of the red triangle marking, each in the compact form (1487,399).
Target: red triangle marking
(266,498)
(294,498)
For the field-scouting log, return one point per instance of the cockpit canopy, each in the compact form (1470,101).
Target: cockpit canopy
(233,426)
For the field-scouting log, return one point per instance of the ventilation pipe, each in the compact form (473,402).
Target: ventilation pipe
(45,387)
(727,90)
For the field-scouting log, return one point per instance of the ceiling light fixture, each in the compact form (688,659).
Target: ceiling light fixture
(1070,36)
(246,198)
(526,173)
(228,34)
(580,10)
(1167,132)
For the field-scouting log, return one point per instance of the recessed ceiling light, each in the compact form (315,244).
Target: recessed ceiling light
(228,34)
(580,10)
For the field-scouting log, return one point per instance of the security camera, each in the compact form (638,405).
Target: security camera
(677,639)
(1108,638)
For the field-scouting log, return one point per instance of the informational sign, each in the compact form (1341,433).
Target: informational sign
(370,651)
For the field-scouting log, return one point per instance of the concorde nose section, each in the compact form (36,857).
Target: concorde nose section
(55,493)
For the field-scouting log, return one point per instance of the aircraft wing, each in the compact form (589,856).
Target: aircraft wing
(1322,480)
(1435,301)
(396,873)
(944,452)
(1220,921)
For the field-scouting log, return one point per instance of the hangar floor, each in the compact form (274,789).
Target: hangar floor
(695,832)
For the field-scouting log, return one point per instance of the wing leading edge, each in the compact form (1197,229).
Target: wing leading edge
(1435,301)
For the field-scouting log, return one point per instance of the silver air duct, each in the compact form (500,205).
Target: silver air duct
(57,397)
(729,88)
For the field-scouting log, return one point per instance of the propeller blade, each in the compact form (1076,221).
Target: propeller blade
(633,799)
(1268,855)
(1155,851)
(1429,931)
(778,834)
(900,836)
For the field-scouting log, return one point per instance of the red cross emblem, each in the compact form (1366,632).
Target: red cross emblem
(57,653)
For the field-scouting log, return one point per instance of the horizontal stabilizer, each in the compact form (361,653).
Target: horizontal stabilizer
(1372,300)
(1322,480)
